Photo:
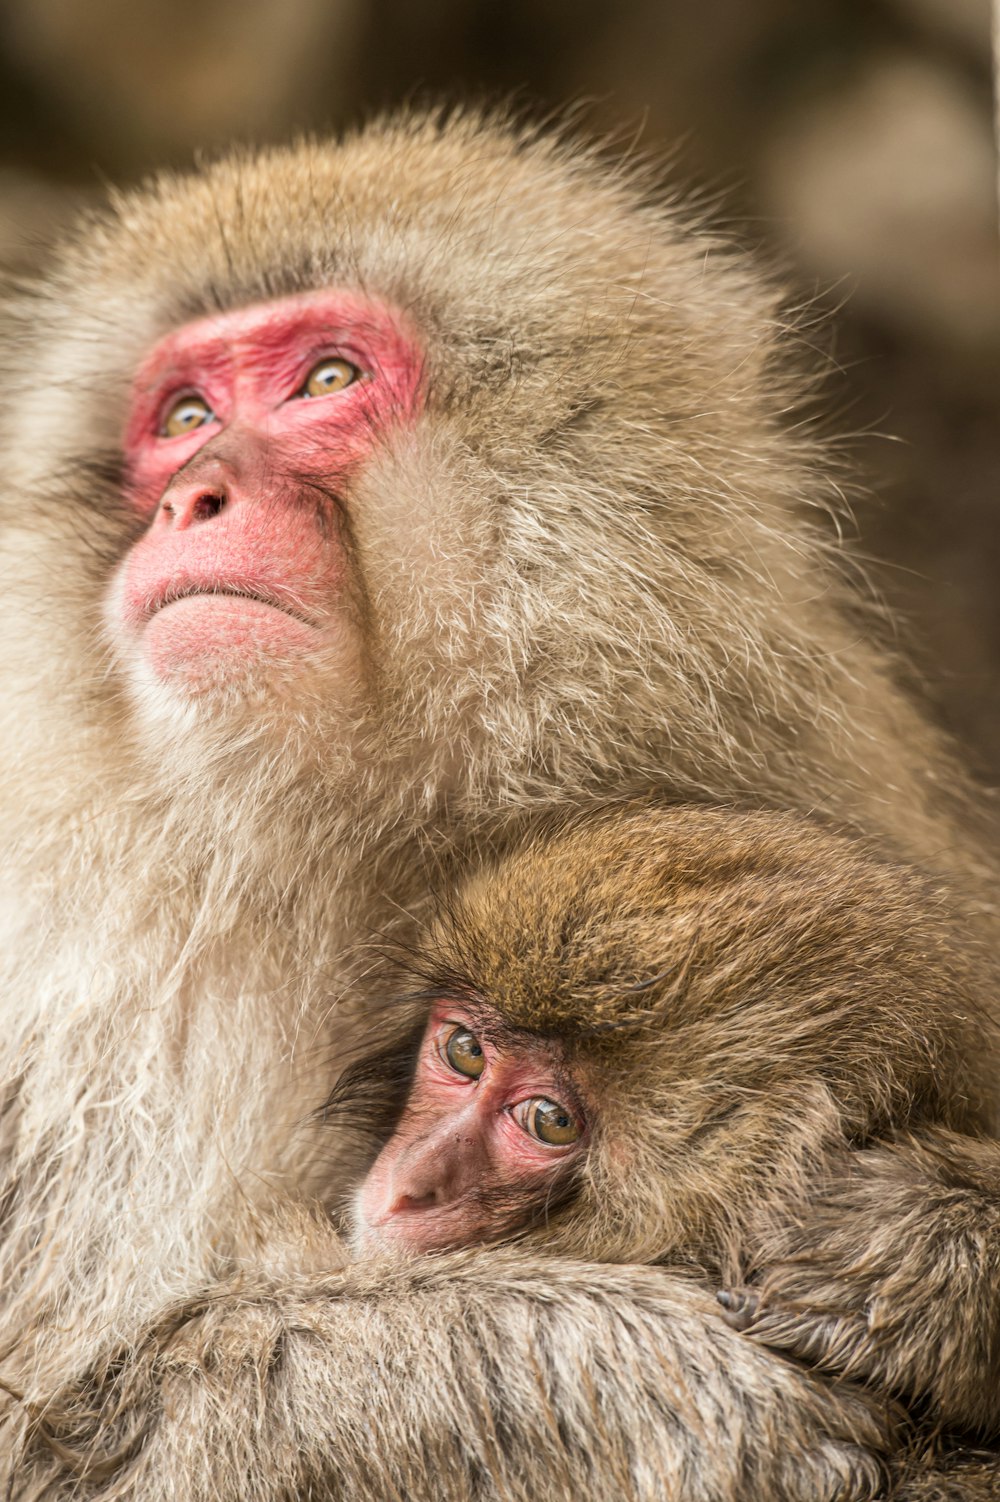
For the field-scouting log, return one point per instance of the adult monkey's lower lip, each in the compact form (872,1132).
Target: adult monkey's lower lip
(251,597)
(204,637)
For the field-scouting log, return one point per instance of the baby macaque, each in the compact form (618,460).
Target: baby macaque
(733,1042)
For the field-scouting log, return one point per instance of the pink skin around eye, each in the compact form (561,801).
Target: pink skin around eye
(460,1168)
(242,558)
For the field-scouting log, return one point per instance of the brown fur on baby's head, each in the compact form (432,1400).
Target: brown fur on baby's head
(733,992)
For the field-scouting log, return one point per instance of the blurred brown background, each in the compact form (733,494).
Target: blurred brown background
(850,137)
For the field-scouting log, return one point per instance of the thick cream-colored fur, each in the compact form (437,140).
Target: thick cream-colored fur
(595,565)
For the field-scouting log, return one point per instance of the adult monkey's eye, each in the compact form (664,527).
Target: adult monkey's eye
(547,1120)
(463,1052)
(329,374)
(186,414)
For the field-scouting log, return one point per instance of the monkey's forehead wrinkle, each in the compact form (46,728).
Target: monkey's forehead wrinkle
(608,927)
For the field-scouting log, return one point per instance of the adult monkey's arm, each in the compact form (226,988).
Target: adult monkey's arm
(471,1376)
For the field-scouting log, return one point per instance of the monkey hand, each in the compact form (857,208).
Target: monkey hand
(889,1276)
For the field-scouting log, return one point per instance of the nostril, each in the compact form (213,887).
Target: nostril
(179,511)
(207,506)
(408,1203)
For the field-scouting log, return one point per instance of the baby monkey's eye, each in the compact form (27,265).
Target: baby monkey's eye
(186,414)
(462,1051)
(328,375)
(547,1120)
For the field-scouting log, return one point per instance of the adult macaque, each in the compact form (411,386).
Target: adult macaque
(658,1035)
(358,501)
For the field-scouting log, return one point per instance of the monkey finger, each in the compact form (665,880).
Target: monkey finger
(836,1473)
(792,1328)
(840,1344)
(740,1307)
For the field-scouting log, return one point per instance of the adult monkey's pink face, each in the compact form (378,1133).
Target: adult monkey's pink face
(243,433)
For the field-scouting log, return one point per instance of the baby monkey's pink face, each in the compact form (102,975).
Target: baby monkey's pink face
(491,1127)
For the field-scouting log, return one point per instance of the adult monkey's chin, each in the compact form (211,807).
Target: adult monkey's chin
(206,641)
(224,678)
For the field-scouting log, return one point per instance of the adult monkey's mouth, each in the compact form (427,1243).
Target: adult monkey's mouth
(259,597)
